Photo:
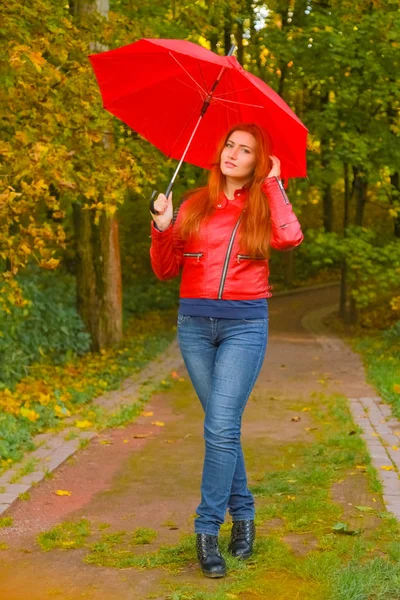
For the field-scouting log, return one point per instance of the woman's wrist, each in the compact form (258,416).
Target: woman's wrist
(160,227)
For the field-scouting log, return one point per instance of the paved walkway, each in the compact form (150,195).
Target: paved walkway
(148,473)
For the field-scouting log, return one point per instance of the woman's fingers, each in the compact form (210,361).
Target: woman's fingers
(161,204)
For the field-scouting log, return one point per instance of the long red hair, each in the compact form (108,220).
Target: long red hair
(255,227)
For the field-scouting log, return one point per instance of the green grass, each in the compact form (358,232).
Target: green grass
(381,357)
(348,560)
(28,467)
(66,535)
(6,522)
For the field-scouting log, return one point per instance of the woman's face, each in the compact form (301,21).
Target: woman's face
(238,158)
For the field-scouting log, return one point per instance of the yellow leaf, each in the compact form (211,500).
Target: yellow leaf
(126,441)
(37,59)
(83,424)
(305,408)
(396,388)
(388,467)
(63,493)
(158,423)
(396,448)
(147,414)
(50,264)
(25,249)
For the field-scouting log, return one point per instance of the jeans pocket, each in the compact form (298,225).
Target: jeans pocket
(255,321)
(182,318)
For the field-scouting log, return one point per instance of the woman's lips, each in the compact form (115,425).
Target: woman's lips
(230,165)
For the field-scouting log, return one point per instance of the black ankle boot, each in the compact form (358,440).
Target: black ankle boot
(242,538)
(211,561)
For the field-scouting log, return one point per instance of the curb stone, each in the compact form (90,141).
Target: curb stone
(380,431)
(52,449)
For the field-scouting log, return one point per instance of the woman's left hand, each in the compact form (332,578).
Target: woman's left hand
(276,167)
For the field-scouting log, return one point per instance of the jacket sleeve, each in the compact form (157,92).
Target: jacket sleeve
(166,251)
(286,231)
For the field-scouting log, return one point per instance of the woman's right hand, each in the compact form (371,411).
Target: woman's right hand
(163,205)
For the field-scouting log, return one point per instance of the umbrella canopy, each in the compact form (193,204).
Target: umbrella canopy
(158,88)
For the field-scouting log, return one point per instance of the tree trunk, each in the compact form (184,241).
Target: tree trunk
(99,284)
(360,186)
(394,180)
(99,281)
(239,40)
(343,283)
(227,30)
(289,268)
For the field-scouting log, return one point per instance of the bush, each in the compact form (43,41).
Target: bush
(47,329)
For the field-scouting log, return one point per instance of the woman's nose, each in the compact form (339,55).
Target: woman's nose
(233,153)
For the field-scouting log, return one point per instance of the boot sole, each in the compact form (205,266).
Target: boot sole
(213,575)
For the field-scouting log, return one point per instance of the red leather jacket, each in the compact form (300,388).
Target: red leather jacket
(214,266)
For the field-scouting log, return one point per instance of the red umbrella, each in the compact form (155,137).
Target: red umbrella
(163,88)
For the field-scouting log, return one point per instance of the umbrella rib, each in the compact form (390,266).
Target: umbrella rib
(182,131)
(202,74)
(234,91)
(190,87)
(235,102)
(188,74)
(226,107)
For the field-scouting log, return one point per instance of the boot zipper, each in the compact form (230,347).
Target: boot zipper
(227,258)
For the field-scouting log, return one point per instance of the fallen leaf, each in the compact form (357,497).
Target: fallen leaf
(126,441)
(83,424)
(310,428)
(343,528)
(105,442)
(158,423)
(396,448)
(296,419)
(181,379)
(388,467)
(141,435)
(147,414)
(174,375)
(305,408)
(63,493)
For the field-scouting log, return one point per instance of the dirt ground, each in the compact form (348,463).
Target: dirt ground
(154,482)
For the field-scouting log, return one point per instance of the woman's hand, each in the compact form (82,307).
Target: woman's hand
(276,167)
(163,205)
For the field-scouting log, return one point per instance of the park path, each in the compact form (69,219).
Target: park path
(130,482)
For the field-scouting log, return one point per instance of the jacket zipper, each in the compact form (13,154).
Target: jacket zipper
(227,258)
(246,257)
(197,255)
(285,198)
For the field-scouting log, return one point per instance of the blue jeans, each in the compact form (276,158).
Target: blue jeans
(223,358)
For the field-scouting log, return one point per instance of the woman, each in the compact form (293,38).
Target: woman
(221,236)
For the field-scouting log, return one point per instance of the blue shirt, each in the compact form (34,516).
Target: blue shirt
(224,309)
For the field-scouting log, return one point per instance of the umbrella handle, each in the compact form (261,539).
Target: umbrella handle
(153,196)
(151,203)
